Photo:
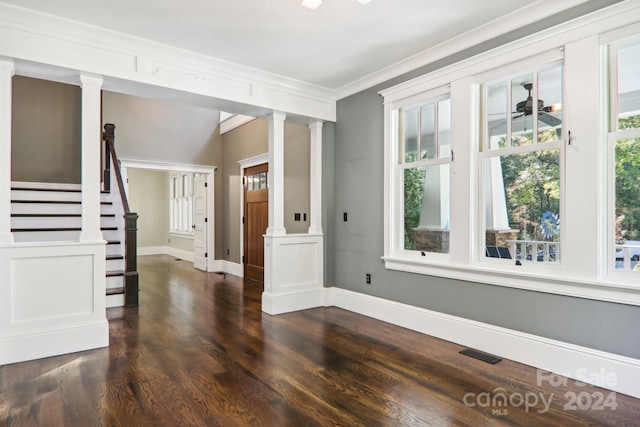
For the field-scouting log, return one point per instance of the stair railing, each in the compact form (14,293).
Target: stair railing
(131,286)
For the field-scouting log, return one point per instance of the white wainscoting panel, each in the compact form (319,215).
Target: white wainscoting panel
(52,299)
(294,275)
(36,292)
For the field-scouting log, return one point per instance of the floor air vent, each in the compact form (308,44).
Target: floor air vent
(480,355)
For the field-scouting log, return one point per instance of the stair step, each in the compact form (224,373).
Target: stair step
(55,215)
(60,202)
(23,230)
(46,215)
(114,273)
(112,257)
(59,190)
(115,291)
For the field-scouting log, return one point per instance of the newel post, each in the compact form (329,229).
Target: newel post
(131,286)
(109,134)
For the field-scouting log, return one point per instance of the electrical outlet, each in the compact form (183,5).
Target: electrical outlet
(367,278)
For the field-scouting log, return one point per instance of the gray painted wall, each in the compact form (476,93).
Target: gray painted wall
(149,198)
(356,246)
(45,131)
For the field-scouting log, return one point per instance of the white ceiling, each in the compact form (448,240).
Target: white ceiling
(334,46)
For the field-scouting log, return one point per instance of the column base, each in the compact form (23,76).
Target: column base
(274,304)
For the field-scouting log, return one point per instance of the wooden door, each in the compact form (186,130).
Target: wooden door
(200,222)
(256,220)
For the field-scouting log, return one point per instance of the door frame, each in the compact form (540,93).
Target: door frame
(244,164)
(201,178)
(126,164)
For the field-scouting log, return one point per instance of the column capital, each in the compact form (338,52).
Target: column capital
(8,65)
(91,80)
(315,124)
(276,116)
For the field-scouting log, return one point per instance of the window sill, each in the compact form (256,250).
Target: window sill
(549,281)
(181,234)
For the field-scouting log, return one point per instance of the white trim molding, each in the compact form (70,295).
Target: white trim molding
(503,25)
(179,253)
(293,273)
(34,40)
(169,167)
(52,300)
(549,355)
(234,122)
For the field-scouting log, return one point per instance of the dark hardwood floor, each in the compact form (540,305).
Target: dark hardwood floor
(199,351)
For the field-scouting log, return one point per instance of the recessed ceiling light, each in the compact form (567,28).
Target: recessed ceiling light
(312,4)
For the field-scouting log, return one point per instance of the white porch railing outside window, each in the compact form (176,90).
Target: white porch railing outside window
(535,250)
(628,257)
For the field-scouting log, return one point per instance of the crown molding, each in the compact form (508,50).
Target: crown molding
(530,14)
(547,43)
(36,40)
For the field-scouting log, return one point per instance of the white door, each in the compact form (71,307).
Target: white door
(200,222)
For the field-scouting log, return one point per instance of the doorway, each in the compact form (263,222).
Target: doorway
(255,219)
(200,222)
(177,217)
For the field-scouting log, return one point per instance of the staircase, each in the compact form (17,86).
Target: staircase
(43,212)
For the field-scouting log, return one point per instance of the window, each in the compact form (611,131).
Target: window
(181,203)
(532,179)
(424,132)
(521,164)
(624,158)
(257,181)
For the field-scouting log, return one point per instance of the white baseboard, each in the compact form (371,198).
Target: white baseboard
(573,361)
(152,250)
(19,348)
(284,303)
(233,268)
(179,253)
(166,250)
(214,265)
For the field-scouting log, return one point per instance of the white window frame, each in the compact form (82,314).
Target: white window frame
(399,167)
(581,272)
(181,203)
(485,80)
(611,44)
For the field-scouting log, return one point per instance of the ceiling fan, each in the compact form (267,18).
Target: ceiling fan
(525,108)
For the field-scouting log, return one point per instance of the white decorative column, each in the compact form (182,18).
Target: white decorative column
(315,177)
(91,143)
(7,70)
(276,174)
(293,263)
